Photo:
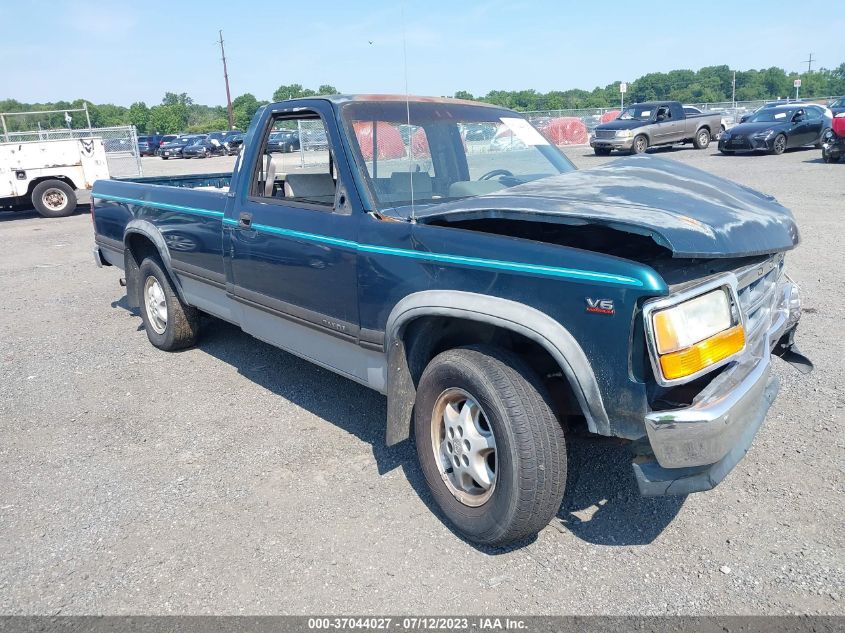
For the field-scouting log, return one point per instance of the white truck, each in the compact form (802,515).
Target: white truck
(47,174)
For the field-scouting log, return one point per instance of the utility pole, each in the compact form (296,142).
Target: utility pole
(226,78)
(810,63)
(733,91)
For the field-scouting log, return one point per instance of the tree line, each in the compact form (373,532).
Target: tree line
(177,112)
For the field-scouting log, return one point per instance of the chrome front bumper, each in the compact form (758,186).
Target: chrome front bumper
(612,143)
(695,447)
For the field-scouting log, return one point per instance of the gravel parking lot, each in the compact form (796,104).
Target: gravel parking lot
(235,478)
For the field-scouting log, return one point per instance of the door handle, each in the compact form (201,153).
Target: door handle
(245,220)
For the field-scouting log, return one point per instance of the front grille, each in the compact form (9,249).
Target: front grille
(605,133)
(757,286)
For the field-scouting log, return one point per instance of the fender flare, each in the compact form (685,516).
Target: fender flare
(511,315)
(152,233)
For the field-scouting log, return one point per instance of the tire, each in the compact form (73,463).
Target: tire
(54,199)
(527,479)
(640,144)
(702,139)
(602,151)
(180,326)
(820,142)
(779,144)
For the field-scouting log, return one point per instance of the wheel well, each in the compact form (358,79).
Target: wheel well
(705,127)
(141,247)
(38,181)
(428,336)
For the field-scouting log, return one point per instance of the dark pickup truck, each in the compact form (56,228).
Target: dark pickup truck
(498,298)
(655,123)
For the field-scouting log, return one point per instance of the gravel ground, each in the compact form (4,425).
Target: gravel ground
(234,478)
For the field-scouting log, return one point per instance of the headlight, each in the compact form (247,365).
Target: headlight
(765,134)
(696,334)
(624,133)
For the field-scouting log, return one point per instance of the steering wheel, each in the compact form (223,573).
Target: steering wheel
(496,172)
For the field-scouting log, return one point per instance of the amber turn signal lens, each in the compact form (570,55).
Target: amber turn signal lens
(703,354)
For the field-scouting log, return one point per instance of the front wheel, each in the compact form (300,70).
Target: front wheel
(779,144)
(820,142)
(492,452)
(54,199)
(170,323)
(639,145)
(702,139)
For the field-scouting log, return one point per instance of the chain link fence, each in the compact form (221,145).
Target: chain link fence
(120,143)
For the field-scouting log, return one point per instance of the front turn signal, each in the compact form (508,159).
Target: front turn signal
(703,354)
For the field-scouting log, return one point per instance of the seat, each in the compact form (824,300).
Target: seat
(269,175)
(312,186)
(401,181)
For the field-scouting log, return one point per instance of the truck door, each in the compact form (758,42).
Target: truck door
(666,126)
(290,234)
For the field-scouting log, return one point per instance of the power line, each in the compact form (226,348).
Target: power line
(226,78)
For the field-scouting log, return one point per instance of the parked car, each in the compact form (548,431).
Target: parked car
(654,123)
(314,140)
(833,143)
(496,305)
(203,147)
(174,148)
(777,129)
(167,138)
(233,142)
(148,145)
(283,141)
(837,106)
(482,132)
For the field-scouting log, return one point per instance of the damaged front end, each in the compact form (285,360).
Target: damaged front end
(693,447)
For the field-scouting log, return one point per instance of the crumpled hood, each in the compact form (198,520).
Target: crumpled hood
(687,210)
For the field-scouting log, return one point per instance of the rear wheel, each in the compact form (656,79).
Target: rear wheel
(702,139)
(779,144)
(170,323)
(54,199)
(639,145)
(602,151)
(492,452)
(820,142)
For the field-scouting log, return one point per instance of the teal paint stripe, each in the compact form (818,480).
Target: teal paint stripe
(476,262)
(161,205)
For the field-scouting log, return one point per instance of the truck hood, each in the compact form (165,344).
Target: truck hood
(623,124)
(686,210)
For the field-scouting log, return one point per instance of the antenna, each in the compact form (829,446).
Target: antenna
(226,78)
(408,115)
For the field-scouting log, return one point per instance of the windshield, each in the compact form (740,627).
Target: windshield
(770,115)
(436,157)
(196,141)
(839,103)
(637,113)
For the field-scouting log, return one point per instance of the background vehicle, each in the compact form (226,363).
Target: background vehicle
(173,149)
(496,298)
(46,174)
(167,138)
(837,106)
(203,147)
(777,129)
(725,122)
(833,143)
(283,141)
(232,141)
(654,123)
(148,145)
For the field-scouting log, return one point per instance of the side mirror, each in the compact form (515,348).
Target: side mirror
(744,118)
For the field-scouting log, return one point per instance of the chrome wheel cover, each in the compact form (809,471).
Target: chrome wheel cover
(464,447)
(155,303)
